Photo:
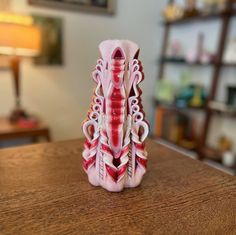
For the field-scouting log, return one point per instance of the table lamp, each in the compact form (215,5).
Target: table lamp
(19,37)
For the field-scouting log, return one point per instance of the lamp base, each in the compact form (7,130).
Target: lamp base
(18,114)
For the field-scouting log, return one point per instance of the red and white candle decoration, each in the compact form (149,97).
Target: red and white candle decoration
(114,153)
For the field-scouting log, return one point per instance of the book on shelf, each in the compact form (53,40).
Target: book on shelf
(158,122)
(175,127)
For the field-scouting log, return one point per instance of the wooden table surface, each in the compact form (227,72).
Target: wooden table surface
(43,190)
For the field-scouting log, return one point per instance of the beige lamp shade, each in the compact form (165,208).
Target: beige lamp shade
(19,37)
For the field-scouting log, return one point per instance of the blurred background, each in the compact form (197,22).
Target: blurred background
(48,49)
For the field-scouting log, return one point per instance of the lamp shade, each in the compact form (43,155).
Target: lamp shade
(19,36)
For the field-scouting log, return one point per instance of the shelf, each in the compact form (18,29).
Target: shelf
(222,109)
(216,163)
(229,64)
(210,154)
(216,156)
(221,167)
(223,113)
(201,17)
(175,145)
(182,61)
(175,108)
(178,109)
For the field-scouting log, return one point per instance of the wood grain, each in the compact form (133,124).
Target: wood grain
(43,190)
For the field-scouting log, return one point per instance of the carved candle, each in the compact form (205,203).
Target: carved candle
(114,155)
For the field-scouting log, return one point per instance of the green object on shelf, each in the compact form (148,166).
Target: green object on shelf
(197,100)
(164,91)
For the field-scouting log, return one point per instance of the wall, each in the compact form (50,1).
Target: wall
(61,95)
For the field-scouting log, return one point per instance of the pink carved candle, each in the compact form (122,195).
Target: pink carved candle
(114,153)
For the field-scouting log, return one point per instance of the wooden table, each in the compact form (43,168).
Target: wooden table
(43,190)
(9,131)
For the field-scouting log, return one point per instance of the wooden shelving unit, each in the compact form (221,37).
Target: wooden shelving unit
(224,17)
